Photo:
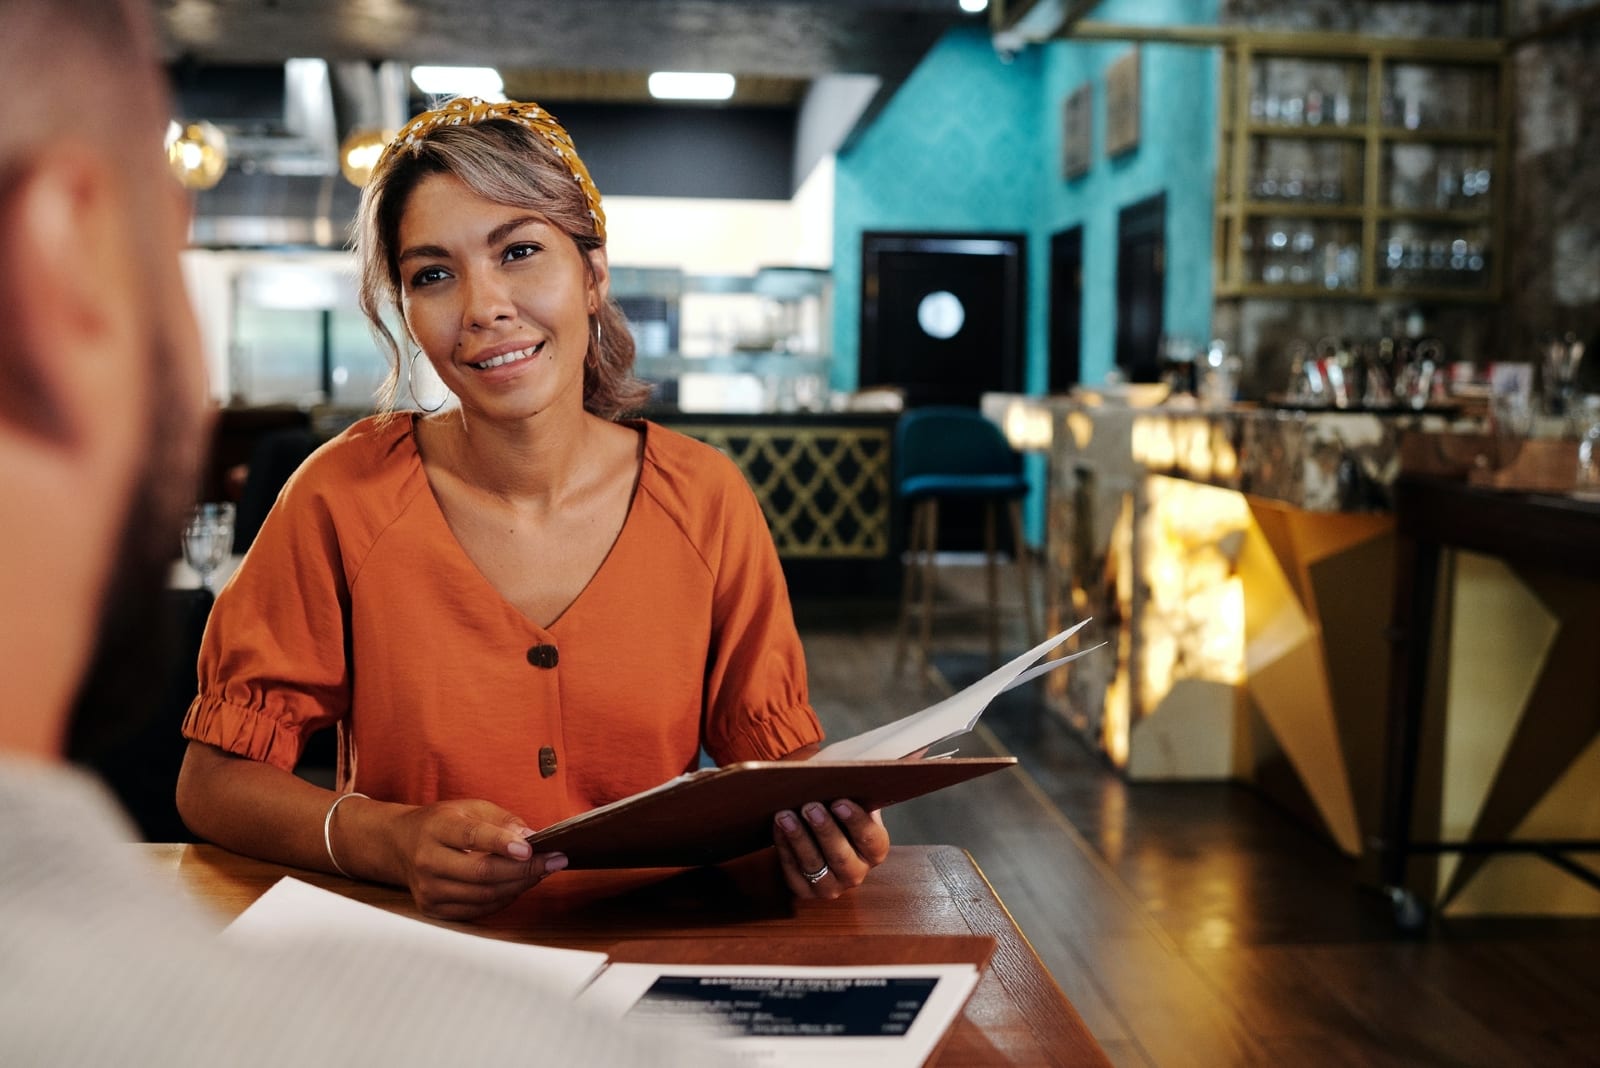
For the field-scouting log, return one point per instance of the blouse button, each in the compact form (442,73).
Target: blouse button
(544,656)
(547,762)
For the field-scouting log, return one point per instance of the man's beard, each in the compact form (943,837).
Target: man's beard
(128,671)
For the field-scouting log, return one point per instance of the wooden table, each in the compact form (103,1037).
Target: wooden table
(1017,1015)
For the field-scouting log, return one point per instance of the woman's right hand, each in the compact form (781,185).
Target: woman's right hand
(464,860)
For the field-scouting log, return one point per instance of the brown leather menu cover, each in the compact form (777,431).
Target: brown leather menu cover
(717,814)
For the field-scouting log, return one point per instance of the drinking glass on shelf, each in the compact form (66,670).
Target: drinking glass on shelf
(1511,419)
(208,538)
(1587,424)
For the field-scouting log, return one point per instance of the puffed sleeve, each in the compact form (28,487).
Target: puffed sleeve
(757,706)
(273,665)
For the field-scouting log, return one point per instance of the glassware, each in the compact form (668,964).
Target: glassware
(1511,410)
(1219,375)
(1557,372)
(1588,473)
(208,538)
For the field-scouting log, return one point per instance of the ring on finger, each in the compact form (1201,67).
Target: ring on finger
(815,877)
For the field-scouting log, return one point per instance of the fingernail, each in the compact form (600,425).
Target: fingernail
(787,821)
(842,809)
(555,864)
(815,814)
(520,849)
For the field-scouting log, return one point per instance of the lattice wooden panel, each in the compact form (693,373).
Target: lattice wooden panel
(824,489)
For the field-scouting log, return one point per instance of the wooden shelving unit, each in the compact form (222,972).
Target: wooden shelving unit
(1445,252)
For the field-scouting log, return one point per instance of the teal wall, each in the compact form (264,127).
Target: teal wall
(1176,155)
(955,149)
(973,142)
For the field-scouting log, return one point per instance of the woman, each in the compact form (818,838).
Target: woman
(515,609)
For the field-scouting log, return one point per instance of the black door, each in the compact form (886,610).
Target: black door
(1141,287)
(941,314)
(1066,309)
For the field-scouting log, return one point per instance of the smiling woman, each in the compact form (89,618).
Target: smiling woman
(516,609)
(498,299)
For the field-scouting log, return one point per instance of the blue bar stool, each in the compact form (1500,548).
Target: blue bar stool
(955,453)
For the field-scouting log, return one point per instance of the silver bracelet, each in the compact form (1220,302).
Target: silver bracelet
(327,831)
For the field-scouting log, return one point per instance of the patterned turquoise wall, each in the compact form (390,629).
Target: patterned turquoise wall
(957,148)
(973,142)
(1176,155)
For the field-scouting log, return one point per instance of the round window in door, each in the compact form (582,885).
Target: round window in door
(941,314)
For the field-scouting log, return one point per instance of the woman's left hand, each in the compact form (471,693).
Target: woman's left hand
(825,850)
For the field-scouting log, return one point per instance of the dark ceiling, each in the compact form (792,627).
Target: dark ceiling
(597,49)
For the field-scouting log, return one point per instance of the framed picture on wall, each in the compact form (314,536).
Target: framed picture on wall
(1122,104)
(1077,125)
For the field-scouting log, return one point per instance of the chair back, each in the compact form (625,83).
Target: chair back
(141,767)
(276,456)
(950,441)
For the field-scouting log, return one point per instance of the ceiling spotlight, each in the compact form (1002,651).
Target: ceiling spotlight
(687,85)
(360,152)
(459,81)
(197,153)
(973,6)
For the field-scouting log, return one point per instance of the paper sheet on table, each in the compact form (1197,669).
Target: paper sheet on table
(874,1016)
(296,909)
(955,714)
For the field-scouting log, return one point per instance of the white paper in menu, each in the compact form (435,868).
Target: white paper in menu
(794,1017)
(293,909)
(955,714)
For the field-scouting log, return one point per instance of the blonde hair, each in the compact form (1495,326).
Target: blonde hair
(508,163)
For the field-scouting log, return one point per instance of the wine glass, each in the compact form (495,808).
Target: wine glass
(208,538)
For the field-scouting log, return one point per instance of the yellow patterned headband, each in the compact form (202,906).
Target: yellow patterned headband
(467,111)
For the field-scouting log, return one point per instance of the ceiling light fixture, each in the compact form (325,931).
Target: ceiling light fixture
(459,81)
(688,85)
(197,153)
(973,6)
(360,152)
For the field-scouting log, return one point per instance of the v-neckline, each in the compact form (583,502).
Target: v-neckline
(436,510)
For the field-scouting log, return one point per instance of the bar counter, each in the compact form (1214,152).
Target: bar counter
(1241,563)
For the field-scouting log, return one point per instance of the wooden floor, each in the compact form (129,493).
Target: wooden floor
(1196,924)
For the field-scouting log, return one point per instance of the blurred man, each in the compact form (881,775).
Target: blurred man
(101,427)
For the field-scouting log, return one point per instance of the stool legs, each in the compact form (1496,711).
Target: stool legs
(991,577)
(920,545)
(930,550)
(921,577)
(1024,578)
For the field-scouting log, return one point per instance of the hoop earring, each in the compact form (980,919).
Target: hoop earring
(593,358)
(411,385)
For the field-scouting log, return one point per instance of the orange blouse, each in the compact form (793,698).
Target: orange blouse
(356,606)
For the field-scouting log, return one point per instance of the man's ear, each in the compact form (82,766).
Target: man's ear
(72,318)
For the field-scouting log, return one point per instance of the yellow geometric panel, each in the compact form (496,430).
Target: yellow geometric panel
(1301,539)
(1526,885)
(823,489)
(1274,614)
(1500,636)
(1292,694)
(1288,680)
(1572,807)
